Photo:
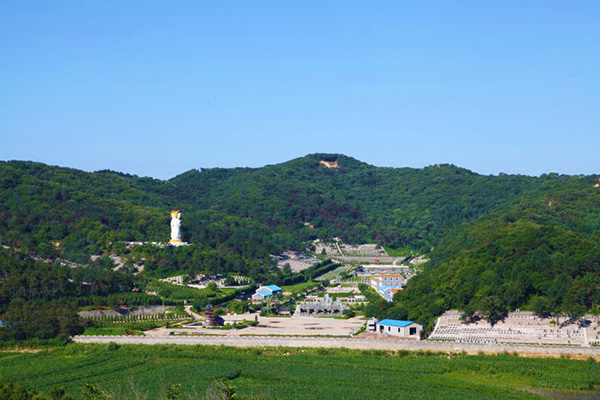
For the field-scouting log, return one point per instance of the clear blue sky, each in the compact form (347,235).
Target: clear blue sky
(159,87)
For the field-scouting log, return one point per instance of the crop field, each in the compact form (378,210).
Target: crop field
(297,373)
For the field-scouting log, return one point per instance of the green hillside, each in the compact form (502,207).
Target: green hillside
(542,254)
(496,242)
(277,207)
(93,213)
(396,207)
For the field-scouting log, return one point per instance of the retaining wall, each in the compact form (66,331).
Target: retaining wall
(351,343)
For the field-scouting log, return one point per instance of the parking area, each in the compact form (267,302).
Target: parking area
(296,326)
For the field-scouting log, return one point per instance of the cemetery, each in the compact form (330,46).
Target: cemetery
(517,328)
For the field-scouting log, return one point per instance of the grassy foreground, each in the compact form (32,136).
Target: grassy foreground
(294,373)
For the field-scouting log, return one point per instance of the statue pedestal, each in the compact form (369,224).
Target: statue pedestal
(178,242)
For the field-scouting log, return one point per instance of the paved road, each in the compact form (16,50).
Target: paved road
(350,343)
(188,309)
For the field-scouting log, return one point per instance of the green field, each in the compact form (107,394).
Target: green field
(401,252)
(179,292)
(300,287)
(130,328)
(337,295)
(295,373)
(336,272)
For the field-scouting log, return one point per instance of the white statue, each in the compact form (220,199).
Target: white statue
(175,227)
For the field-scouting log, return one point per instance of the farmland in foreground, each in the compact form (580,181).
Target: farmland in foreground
(296,373)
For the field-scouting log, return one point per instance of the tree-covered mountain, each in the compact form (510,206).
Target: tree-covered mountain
(61,212)
(499,242)
(86,212)
(542,254)
(280,205)
(37,298)
(358,202)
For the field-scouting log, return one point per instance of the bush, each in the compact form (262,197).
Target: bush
(112,346)
(234,375)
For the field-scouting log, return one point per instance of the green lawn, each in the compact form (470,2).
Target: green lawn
(338,271)
(337,295)
(401,252)
(127,328)
(295,373)
(179,292)
(299,287)
(111,331)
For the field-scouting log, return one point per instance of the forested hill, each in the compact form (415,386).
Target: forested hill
(501,242)
(542,254)
(93,213)
(396,207)
(283,205)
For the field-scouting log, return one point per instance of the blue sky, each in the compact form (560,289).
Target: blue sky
(156,88)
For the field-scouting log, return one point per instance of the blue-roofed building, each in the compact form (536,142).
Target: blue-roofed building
(399,328)
(266,291)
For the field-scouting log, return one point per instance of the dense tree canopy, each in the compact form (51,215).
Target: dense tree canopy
(543,255)
(359,202)
(37,299)
(496,243)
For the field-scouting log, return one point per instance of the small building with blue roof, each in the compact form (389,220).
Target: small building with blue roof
(399,328)
(266,291)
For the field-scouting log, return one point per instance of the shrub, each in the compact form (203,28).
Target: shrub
(112,346)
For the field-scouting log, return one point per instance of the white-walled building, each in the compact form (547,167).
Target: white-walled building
(404,329)
(387,285)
